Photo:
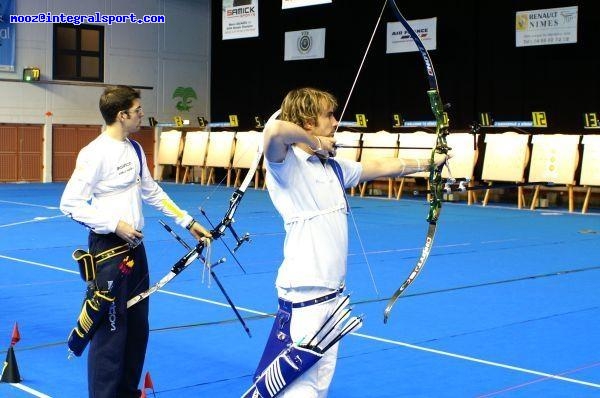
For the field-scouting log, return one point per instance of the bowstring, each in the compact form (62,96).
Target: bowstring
(354,223)
(362,62)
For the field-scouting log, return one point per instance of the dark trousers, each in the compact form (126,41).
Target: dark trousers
(118,348)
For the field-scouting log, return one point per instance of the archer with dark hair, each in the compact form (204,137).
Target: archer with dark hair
(105,194)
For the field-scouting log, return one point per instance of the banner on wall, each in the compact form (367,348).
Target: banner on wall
(7,36)
(398,40)
(240,19)
(304,44)
(546,27)
(301,3)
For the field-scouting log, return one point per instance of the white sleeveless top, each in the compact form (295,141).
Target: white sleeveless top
(309,197)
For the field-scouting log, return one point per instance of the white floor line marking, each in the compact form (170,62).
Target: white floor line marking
(35,219)
(161,290)
(212,302)
(29,204)
(40,264)
(399,343)
(30,390)
(365,336)
(472,359)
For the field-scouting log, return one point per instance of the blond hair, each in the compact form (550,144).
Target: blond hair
(304,105)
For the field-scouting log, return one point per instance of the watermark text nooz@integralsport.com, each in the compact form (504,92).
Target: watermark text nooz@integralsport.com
(97,17)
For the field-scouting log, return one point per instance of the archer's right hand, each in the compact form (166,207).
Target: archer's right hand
(128,233)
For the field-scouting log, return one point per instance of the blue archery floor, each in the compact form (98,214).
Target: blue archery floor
(507,305)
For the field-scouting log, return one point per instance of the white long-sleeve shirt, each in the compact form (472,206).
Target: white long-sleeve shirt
(106,188)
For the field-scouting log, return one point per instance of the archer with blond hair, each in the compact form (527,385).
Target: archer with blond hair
(307,186)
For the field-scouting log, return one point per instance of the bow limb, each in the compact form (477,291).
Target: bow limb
(225,223)
(435,171)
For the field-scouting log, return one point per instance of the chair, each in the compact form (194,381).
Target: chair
(246,145)
(554,158)
(463,160)
(590,167)
(505,159)
(263,169)
(219,153)
(170,148)
(194,154)
(381,144)
(409,142)
(352,152)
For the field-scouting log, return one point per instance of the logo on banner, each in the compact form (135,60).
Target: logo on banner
(304,42)
(241,11)
(404,35)
(522,22)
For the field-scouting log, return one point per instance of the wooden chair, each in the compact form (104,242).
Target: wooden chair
(219,154)
(505,159)
(381,144)
(590,167)
(194,154)
(408,143)
(463,160)
(170,148)
(263,169)
(554,158)
(246,145)
(353,140)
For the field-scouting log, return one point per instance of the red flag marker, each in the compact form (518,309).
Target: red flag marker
(148,382)
(16,336)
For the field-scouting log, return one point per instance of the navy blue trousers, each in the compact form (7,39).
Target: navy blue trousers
(118,348)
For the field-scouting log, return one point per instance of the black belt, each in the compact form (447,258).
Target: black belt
(314,301)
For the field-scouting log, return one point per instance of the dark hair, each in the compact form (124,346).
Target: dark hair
(115,99)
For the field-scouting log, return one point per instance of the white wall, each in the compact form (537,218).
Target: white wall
(162,56)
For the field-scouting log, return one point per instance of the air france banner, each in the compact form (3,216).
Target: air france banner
(301,3)
(240,19)
(7,37)
(546,27)
(304,44)
(399,40)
